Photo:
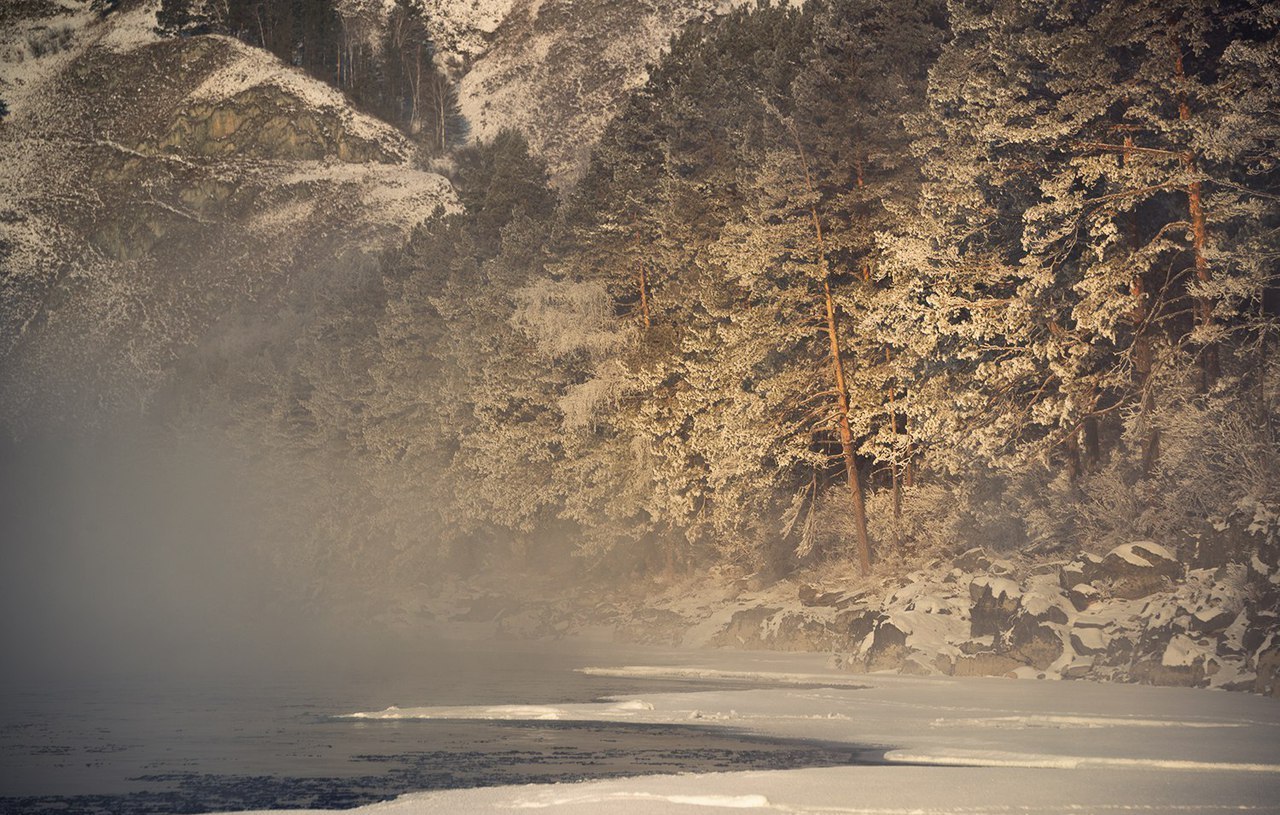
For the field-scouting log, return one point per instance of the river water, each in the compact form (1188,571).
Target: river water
(128,744)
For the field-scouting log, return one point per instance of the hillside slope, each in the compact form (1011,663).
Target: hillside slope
(155,193)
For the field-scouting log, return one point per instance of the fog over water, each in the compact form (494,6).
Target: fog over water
(126,556)
(133,559)
(157,660)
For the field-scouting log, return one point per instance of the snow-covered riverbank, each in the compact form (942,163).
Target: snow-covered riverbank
(953,745)
(1134,613)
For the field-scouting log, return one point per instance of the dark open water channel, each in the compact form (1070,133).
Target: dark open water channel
(136,745)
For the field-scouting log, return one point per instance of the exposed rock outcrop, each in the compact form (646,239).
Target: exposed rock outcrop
(1214,628)
(653,626)
(776,629)
(1268,669)
(1131,615)
(994,605)
(1136,570)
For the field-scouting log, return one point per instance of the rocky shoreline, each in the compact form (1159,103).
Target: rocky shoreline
(1205,614)
(1129,616)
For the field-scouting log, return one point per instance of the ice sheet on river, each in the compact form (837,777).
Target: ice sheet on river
(951,745)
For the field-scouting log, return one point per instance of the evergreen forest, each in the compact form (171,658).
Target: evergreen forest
(851,280)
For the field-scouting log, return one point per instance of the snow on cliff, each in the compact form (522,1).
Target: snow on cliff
(461,28)
(126,157)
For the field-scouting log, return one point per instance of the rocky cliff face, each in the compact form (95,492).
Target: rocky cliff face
(154,192)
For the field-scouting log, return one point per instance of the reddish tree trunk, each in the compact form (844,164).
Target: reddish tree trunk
(837,370)
(643,281)
(1142,354)
(846,435)
(1199,231)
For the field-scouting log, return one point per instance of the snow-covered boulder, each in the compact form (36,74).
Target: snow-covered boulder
(1035,636)
(1033,643)
(1259,624)
(1267,664)
(799,631)
(1082,595)
(914,642)
(810,595)
(1212,619)
(653,626)
(1089,640)
(1079,571)
(972,560)
(776,629)
(1134,570)
(994,602)
(984,663)
(1184,661)
(746,628)
(1042,600)
(1250,530)
(1001,567)
(853,626)
(888,649)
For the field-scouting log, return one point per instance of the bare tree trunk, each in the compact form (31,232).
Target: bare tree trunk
(846,435)
(893,458)
(643,280)
(908,453)
(1266,416)
(1142,353)
(1092,444)
(442,112)
(1073,455)
(1209,358)
(837,370)
(415,117)
(1199,231)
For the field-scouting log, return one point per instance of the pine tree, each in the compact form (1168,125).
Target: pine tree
(1083,228)
(459,408)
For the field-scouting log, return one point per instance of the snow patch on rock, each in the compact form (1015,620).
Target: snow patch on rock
(1139,553)
(253,68)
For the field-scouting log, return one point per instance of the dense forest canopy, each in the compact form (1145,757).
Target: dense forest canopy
(845,280)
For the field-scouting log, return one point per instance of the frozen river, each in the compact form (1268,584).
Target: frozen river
(597,729)
(129,744)
(946,746)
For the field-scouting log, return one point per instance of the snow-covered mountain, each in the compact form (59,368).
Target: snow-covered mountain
(154,192)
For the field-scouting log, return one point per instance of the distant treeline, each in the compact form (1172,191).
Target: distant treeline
(855,279)
(381,55)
